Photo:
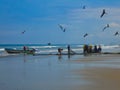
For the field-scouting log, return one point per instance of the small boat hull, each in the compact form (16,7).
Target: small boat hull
(18,51)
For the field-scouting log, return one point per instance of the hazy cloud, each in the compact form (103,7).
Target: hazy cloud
(114,24)
(94,13)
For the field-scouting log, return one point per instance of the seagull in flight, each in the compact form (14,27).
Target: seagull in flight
(85,35)
(62,28)
(103,13)
(84,7)
(107,26)
(23,32)
(116,33)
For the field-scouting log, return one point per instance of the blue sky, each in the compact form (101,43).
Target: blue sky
(40,19)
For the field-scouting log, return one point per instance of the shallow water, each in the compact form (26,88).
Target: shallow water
(47,72)
(35,73)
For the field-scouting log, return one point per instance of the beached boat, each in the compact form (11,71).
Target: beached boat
(17,51)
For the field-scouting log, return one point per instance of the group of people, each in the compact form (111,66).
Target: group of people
(92,49)
(86,49)
(26,49)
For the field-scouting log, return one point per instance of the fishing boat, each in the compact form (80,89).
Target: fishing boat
(18,51)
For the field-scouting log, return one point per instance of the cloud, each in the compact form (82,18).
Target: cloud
(113,14)
(114,24)
(78,14)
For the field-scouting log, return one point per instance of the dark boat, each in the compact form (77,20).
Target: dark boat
(18,51)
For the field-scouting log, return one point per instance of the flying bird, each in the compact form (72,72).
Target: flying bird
(62,28)
(85,35)
(103,13)
(84,7)
(107,26)
(116,33)
(23,32)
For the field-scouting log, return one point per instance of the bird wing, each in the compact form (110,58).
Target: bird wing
(85,35)
(116,33)
(102,13)
(107,26)
(62,28)
(23,32)
(104,28)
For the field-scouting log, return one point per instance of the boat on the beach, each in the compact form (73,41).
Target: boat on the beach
(18,51)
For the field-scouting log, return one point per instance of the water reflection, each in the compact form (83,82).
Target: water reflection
(59,57)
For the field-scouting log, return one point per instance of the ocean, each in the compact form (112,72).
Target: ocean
(53,49)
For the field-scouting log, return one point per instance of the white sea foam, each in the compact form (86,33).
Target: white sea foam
(2,49)
(109,47)
(42,47)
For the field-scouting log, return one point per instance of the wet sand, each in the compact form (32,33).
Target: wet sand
(94,72)
(105,75)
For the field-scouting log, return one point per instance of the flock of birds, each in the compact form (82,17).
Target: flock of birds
(86,34)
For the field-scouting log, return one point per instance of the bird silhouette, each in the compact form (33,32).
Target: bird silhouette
(103,13)
(23,32)
(62,28)
(116,33)
(107,26)
(85,35)
(84,7)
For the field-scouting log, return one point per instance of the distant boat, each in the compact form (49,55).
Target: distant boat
(18,51)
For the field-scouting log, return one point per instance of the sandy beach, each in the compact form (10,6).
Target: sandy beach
(93,72)
(102,74)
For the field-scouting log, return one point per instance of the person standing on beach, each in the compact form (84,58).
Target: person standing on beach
(95,49)
(60,51)
(90,48)
(24,48)
(68,47)
(99,49)
(85,49)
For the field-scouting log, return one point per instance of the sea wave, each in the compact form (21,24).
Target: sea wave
(110,46)
(43,47)
(2,49)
